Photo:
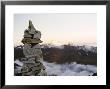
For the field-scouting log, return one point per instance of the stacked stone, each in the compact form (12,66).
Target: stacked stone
(33,66)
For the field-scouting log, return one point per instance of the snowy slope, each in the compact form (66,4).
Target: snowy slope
(72,69)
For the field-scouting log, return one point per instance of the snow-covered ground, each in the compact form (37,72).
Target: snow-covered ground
(72,69)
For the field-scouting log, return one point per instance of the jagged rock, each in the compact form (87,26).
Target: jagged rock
(31,35)
(29,41)
(33,65)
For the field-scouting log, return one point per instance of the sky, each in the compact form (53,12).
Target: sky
(59,28)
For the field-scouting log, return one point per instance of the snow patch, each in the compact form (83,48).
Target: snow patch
(18,62)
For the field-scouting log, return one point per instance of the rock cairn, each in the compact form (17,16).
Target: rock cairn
(33,65)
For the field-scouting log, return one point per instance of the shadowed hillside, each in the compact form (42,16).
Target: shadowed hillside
(64,54)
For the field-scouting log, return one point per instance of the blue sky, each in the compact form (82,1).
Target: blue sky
(59,28)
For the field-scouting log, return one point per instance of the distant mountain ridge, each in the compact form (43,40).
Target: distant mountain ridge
(64,54)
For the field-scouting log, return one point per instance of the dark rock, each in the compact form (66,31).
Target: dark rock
(94,74)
